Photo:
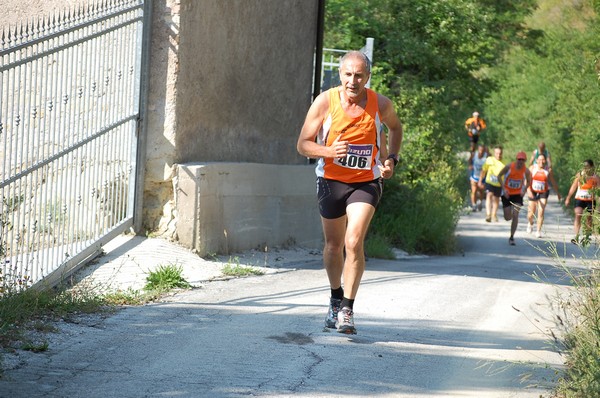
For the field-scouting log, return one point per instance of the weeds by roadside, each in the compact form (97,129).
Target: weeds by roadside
(31,312)
(577,311)
(238,270)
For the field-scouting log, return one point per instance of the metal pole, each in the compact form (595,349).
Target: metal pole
(143,118)
(319,49)
(368,50)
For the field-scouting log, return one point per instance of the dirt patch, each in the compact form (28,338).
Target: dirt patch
(20,11)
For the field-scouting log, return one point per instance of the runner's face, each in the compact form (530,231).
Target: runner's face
(498,153)
(541,161)
(354,77)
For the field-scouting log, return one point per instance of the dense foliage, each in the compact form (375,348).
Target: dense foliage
(431,59)
(550,92)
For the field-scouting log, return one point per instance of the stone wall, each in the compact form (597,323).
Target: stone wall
(231,81)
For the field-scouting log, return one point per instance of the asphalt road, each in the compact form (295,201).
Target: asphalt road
(471,325)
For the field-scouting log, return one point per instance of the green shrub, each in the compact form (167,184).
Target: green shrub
(166,277)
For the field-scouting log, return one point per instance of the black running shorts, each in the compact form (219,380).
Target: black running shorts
(585,204)
(496,191)
(512,200)
(334,196)
(539,195)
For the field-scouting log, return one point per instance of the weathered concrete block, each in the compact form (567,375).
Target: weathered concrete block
(230,207)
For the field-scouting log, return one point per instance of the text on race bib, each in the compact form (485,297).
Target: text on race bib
(492,178)
(514,184)
(358,157)
(583,194)
(538,186)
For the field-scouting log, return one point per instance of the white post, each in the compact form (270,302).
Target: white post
(368,50)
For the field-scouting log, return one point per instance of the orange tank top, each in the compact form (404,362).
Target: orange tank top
(539,180)
(363,136)
(513,182)
(585,191)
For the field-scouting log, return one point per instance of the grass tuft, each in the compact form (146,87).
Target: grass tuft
(165,278)
(238,270)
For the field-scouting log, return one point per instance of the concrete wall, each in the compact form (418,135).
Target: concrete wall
(231,81)
(230,207)
(245,70)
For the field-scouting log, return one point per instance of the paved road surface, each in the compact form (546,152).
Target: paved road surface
(470,325)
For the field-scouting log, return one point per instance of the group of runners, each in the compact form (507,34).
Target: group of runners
(492,181)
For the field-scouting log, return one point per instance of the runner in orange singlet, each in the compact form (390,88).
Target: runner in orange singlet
(584,185)
(539,192)
(516,179)
(344,131)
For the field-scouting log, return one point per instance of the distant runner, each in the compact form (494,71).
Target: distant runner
(538,193)
(489,174)
(583,186)
(516,179)
(474,125)
(476,162)
(541,150)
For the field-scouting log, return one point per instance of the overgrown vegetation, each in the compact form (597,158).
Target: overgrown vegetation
(577,331)
(26,310)
(23,310)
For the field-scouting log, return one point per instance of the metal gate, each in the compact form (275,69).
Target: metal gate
(70,89)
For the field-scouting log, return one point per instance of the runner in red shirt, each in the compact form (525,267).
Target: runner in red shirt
(516,179)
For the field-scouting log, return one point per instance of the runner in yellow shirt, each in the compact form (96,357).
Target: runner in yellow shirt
(493,188)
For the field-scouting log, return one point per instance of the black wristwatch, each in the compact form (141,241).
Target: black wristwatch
(394,157)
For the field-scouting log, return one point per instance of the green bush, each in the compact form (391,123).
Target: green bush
(419,215)
(165,278)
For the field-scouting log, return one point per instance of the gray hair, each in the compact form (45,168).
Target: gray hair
(357,54)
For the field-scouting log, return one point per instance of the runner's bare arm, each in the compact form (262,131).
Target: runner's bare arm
(529,179)
(392,122)
(383,151)
(572,190)
(306,144)
(502,174)
(482,177)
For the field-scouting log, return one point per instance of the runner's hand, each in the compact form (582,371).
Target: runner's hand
(387,169)
(339,147)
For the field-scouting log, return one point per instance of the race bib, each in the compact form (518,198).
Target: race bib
(583,194)
(359,157)
(513,184)
(492,179)
(538,186)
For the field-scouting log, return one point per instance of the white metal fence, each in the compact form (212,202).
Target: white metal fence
(69,116)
